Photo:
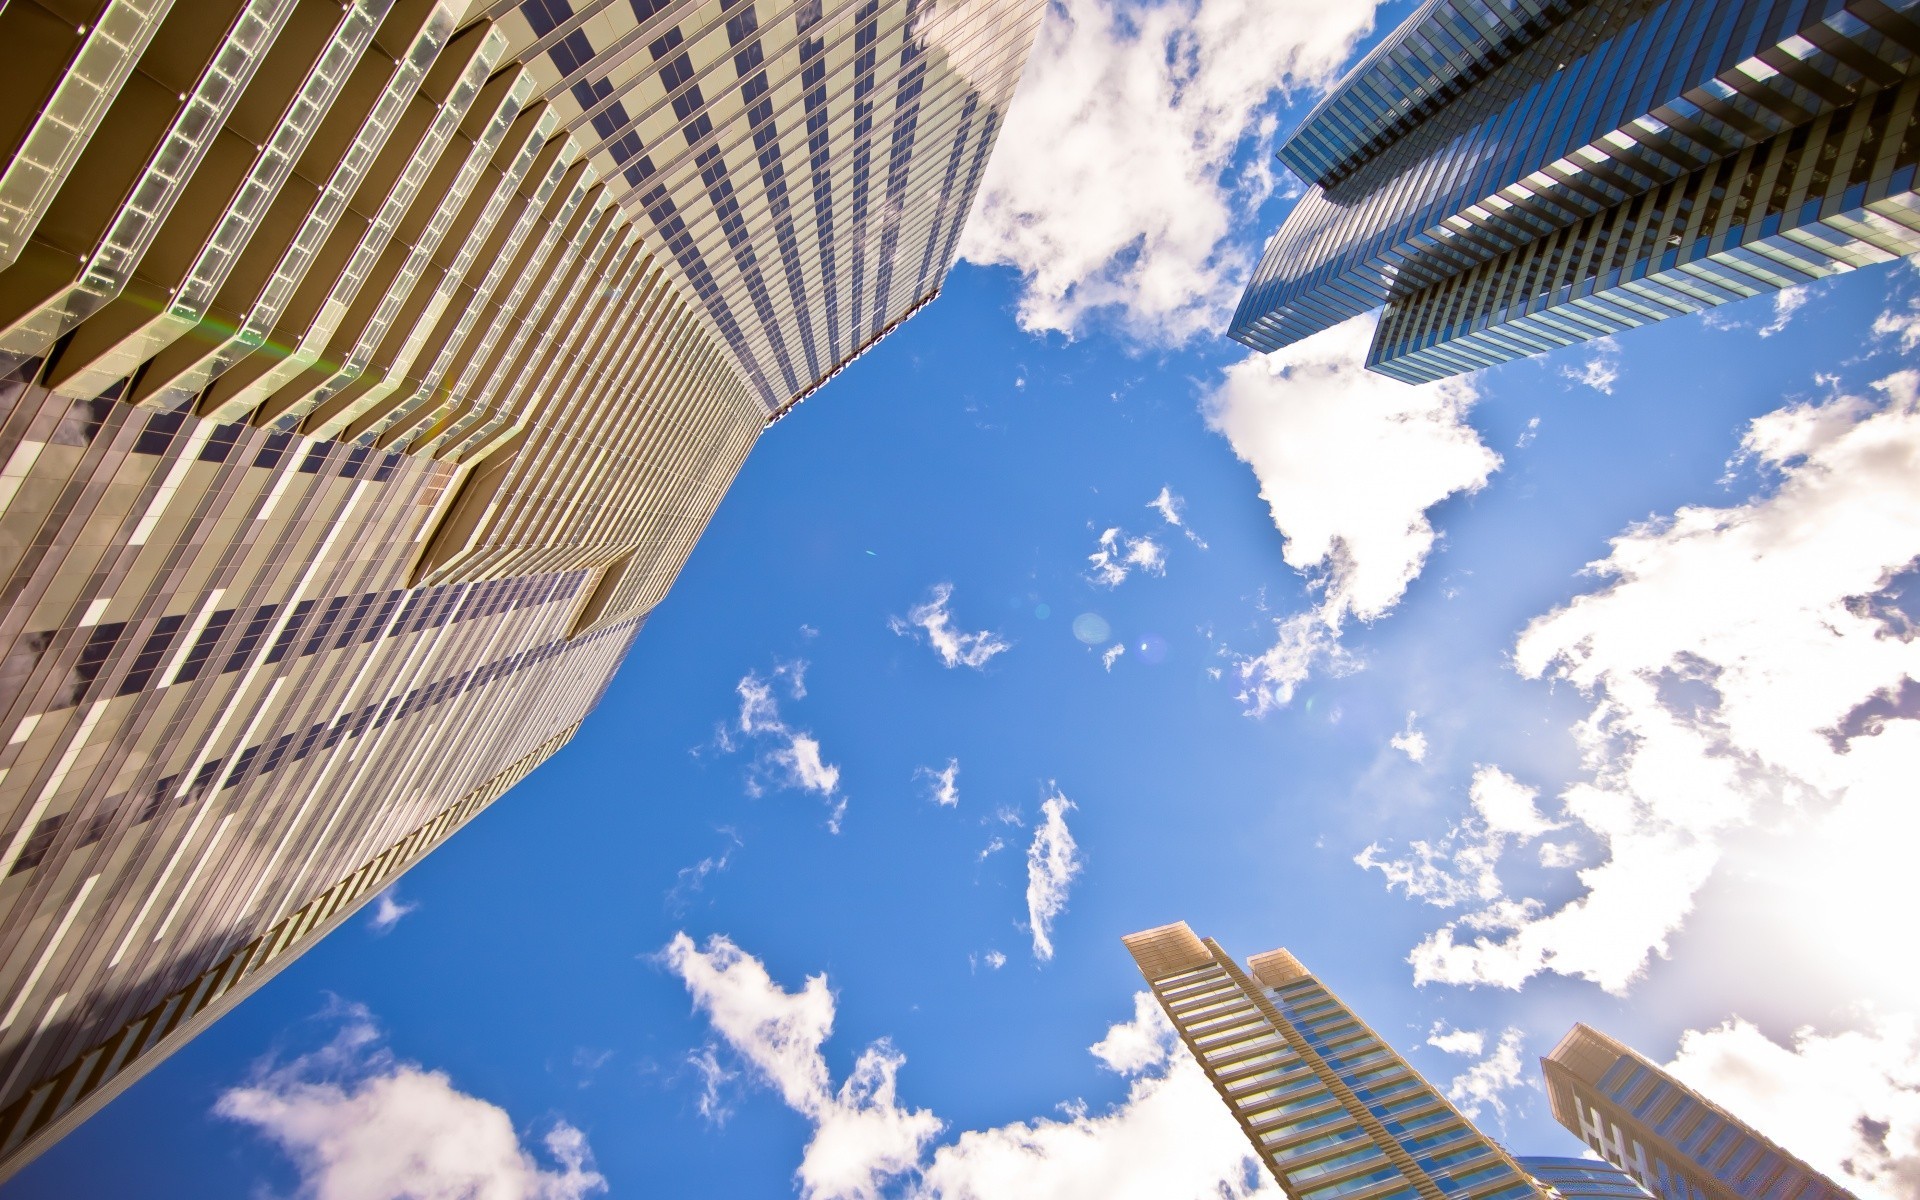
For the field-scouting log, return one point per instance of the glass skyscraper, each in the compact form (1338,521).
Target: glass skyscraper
(1328,1106)
(1676,1142)
(1505,178)
(1581,1178)
(367,372)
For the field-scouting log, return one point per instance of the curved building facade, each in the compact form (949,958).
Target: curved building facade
(367,372)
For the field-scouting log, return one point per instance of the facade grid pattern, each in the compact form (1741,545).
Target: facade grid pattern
(1538,183)
(368,370)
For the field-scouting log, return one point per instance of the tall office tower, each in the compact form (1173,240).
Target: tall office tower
(1508,178)
(1581,1179)
(1329,1107)
(367,372)
(1676,1142)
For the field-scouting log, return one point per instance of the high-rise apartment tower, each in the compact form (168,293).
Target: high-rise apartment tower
(1676,1142)
(1508,178)
(367,371)
(1581,1178)
(1330,1109)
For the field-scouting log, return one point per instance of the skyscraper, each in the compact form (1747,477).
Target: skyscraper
(1581,1178)
(367,372)
(1328,1106)
(1509,178)
(1676,1142)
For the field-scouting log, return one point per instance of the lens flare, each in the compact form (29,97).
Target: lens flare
(1091,628)
(1152,649)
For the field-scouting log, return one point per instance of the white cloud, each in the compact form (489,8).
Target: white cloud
(1528,434)
(1905,325)
(1462,867)
(1053,862)
(1507,805)
(387,909)
(945,789)
(1108,192)
(1786,302)
(1746,665)
(1410,741)
(1600,372)
(1349,463)
(692,879)
(1112,655)
(932,620)
(994,960)
(994,846)
(787,757)
(1140,1045)
(1448,1040)
(714,1077)
(1559,854)
(1170,506)
(862,1138)
(1847,1103)
(1486,1083)
(360,1124)
(1119,555)
(1170,1139)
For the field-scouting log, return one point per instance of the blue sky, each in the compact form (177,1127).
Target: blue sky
(732,941)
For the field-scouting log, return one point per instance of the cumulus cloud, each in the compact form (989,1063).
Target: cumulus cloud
(1170,1139)
(1903,324)
(1118,555)
(388,909)
(1349,463)
(1747,664)
(1112,655)
(1462,867)
(784,756)
(361,1124)
(862,1137)
(944,784)
(1170,507)
(993,846)
(1448,1040)
(1110,192)
(1848,1103)
(1600,372)
(1053,862)
(1786,302)
(931,620)
(1486,1083)
(1410,741)
(1141,1044)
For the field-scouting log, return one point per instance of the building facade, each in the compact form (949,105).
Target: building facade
(1330,1109)
(1506,179)
(1581,1178)
(367,372)
(1676,1142)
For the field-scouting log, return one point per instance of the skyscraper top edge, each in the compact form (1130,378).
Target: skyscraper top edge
(1277,968)
(1447,45)
(1167,950)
